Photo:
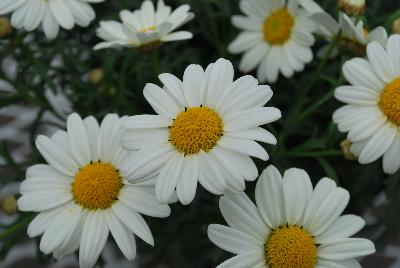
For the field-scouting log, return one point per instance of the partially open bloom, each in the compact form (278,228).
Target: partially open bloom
(82,194)
(276,38)
(371,115)
(291,225)
(50,14)
(353,36)
(205,131)
(145,28)
(352,7)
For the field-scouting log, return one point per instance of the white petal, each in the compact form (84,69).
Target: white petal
(269,197)
(161,102)
(94,237)
(134,222)
(391,163)
(343,227)
(244,261)
(146,121)
(143,200)
(192,78)
(220,78)
(137,139)
(124,239)
(359,73)
(378,144)
(356,95)
(297,190)
(393,49)
(210,176)
(92,129)
(62,226)
(257,134)
(169,177)
(241,214)
(243,146)
(346,249)
(40,201)
(232,240)
(381,62)
(251,118)
(78,139)
(43,220)
(56,157)
(62,14)
(327,212)
(187,184)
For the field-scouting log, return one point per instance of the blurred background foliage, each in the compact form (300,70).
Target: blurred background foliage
(307,138)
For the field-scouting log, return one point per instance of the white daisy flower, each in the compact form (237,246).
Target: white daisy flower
(50,14)
(145,28)
(206,130)
(82,194)
(291,225)
(371,115)
(354,37)
(277,37)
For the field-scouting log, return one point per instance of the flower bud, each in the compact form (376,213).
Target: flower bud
(9,204)
(352,7)
(96,75)
(396,26)
(347,154)
(5,27)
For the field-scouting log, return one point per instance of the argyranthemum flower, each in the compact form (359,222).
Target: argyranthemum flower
(291,225)
(352,7)
(353,36)
(206,130)
(277,37)
(372,111)
(145,28)
(50,14)
(82,194)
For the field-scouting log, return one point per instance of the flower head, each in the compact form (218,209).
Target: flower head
(145,28)
(50,14)
(205,131)
(371,115)
(353,36)
(291,225)
(275,38)
(82,194)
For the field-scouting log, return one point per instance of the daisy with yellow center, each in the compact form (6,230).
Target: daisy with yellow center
(145,28)
(276,38)
(82,194)
(371,115)
(205,131)
(292,225)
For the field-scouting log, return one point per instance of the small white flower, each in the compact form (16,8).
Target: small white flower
(205,131)
(291,225)
(146,27)
(82,194)
(50,14)
(353,36)
(277,37)
(371,115)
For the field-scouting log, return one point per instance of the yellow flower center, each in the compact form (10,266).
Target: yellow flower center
(148,29)
(390,101)
(195,129)
(96,186)
(290,247)
(278,27)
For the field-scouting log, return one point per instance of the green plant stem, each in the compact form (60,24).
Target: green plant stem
(16,227)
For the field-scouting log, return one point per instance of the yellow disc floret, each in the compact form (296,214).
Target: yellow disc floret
(390,101)
(96,186)
(290,247)
(278,27)
(195,129)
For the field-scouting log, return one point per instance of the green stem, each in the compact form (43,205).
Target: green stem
(16,227)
